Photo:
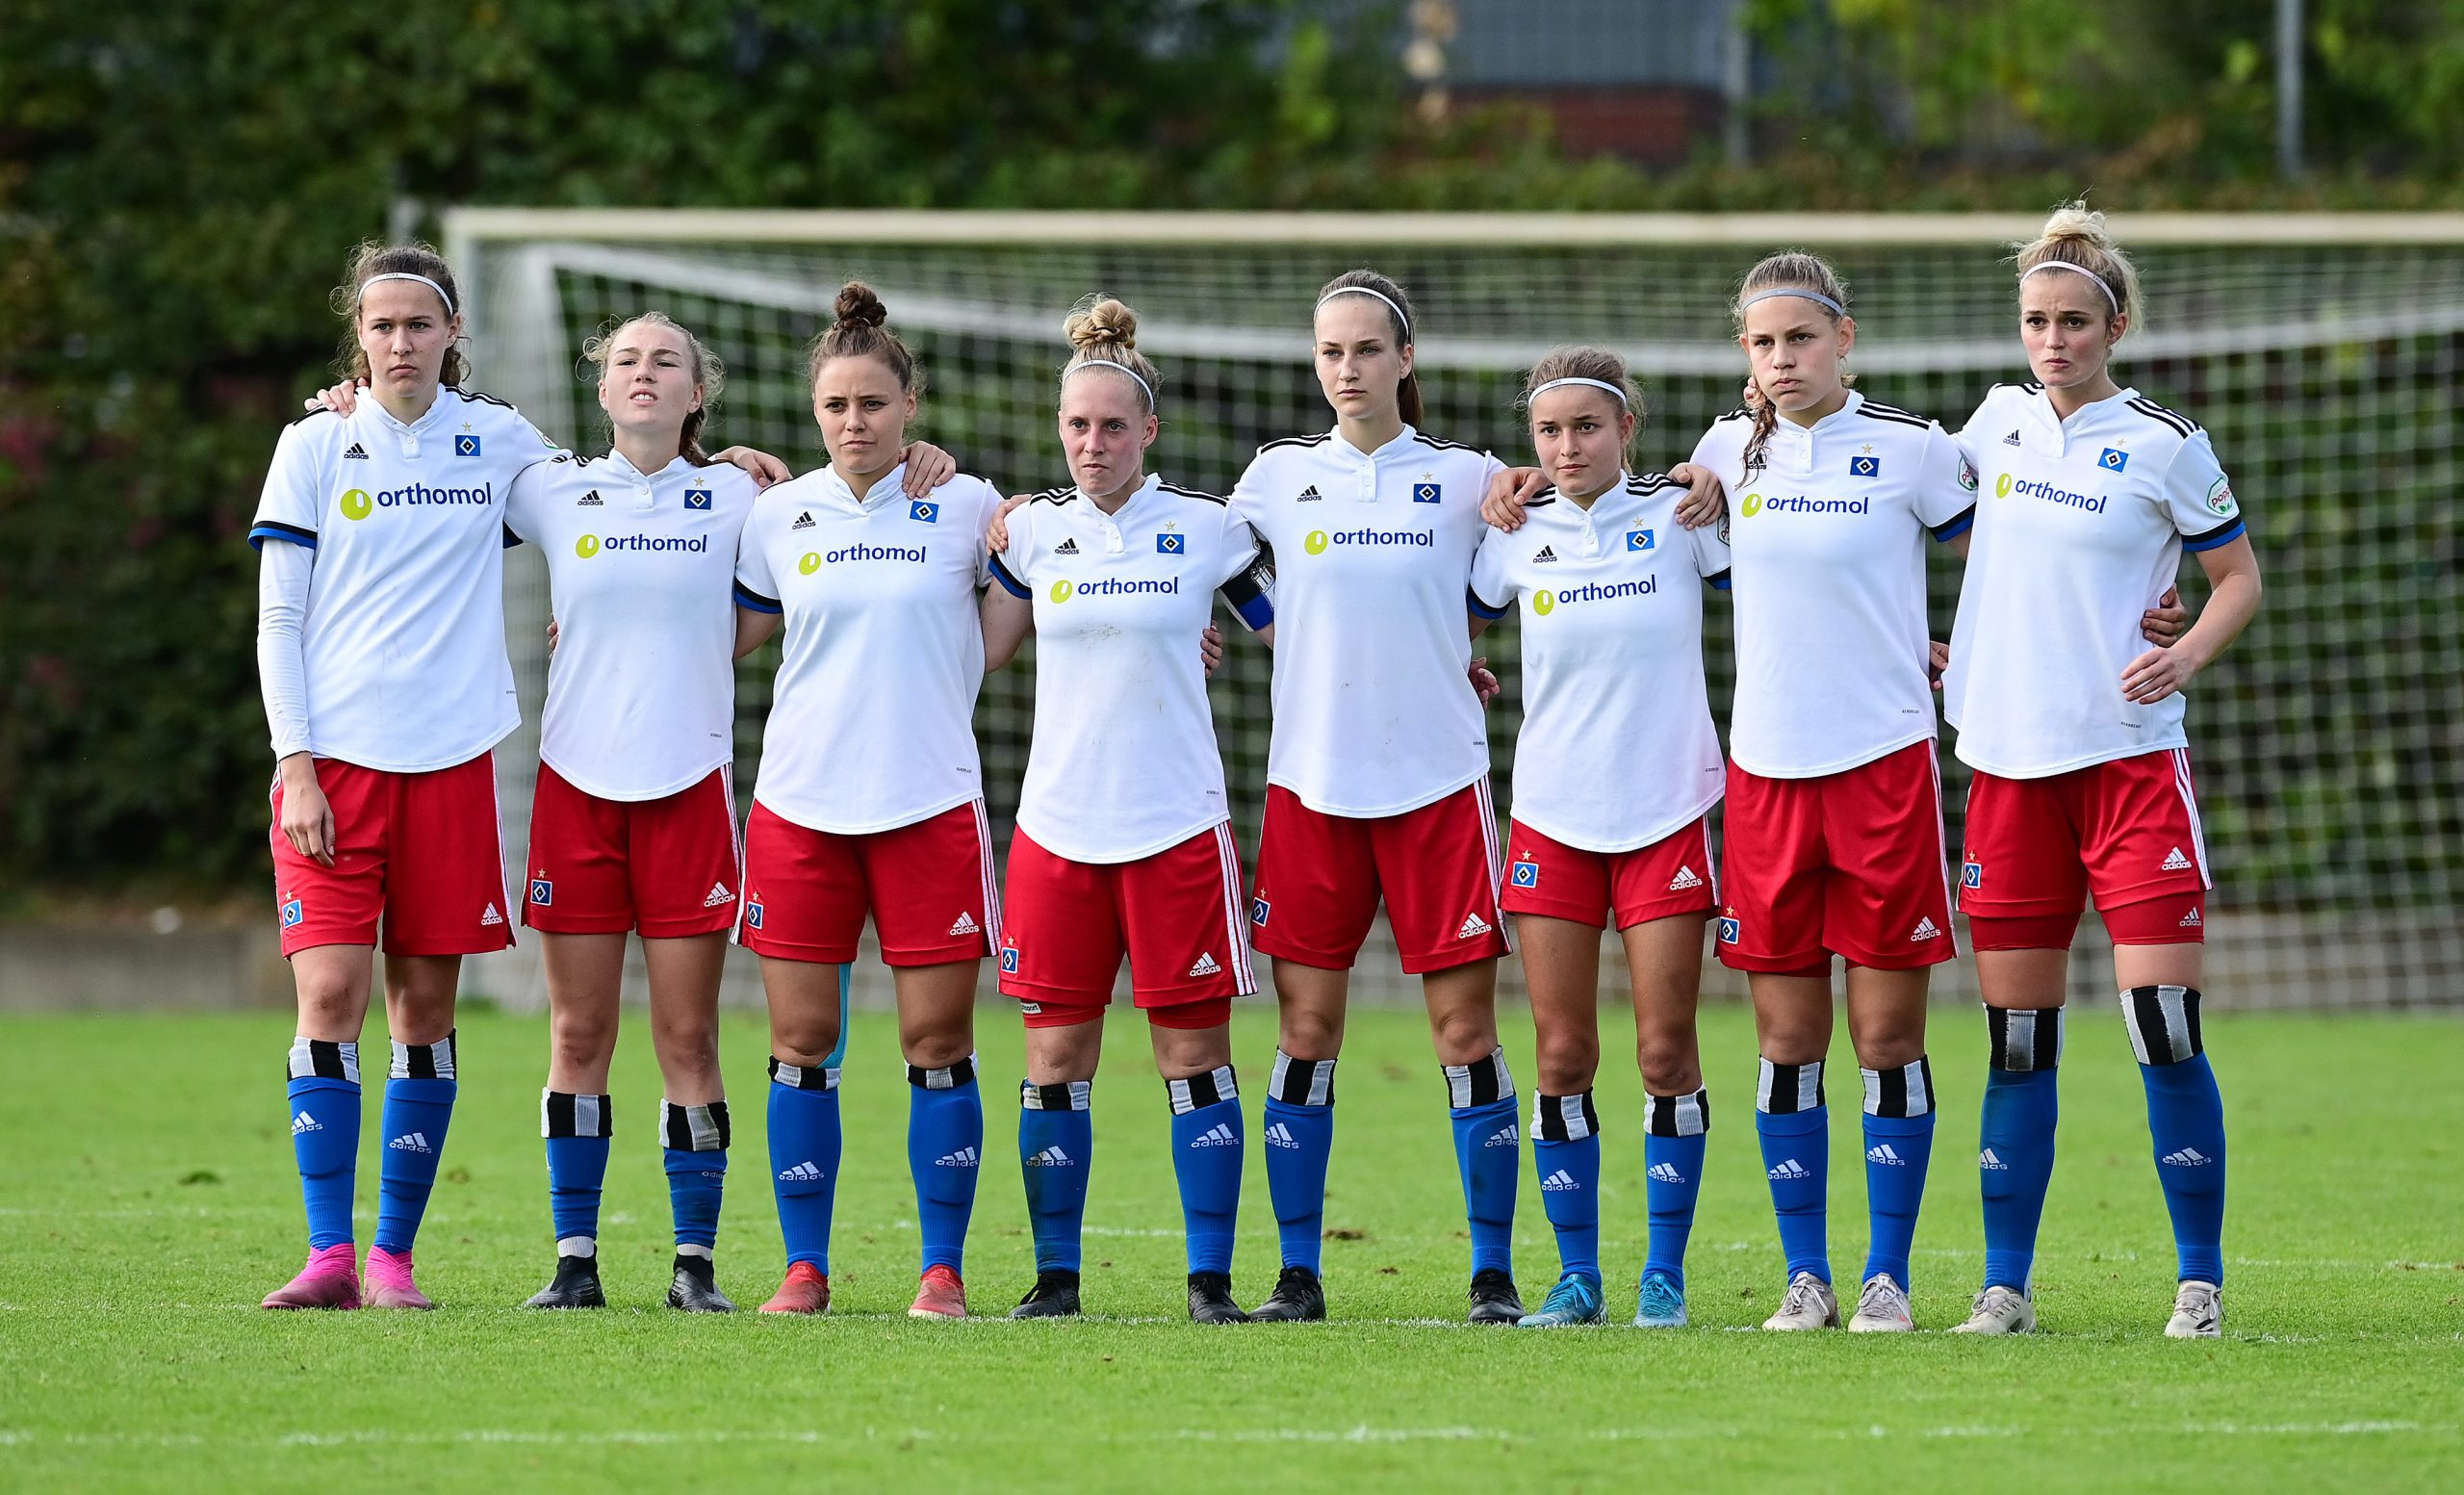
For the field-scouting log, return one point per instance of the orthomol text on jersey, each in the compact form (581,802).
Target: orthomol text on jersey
(590,544)
(1112,587)
(359,502)
(1797,503)
(1546,600)
(1317,540)
(814,560)
(2029,488)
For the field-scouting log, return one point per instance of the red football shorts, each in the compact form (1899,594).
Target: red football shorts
(669,867)
(1849,864)
(1319,877)
(421,853)
(1671,876)
(929,888)
(1177,916)
(2126,832)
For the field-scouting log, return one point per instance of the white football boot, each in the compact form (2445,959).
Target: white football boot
(1998,1310)
(2198,1312)
(1807,1304)
(1881,1308)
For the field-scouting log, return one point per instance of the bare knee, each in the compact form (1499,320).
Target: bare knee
(1465,1034)
(1671,1063)
(687,1040)
(1567,1062)
(1308,1034)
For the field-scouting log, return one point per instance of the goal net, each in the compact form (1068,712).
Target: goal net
(2321,352)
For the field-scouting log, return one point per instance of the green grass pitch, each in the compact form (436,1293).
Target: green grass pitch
(147,1200)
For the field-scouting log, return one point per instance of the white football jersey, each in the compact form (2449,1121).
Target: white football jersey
(1618,749)
(641,687)
(1124,762)
(403,641)
(1828,565)
(1374,710)
(2081,528)
(872,717)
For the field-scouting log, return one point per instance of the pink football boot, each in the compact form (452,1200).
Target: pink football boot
(329,1280)
(389,1281)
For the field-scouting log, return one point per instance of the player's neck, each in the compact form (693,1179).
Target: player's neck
(2071,398)
(648,453)
(407,408)
(1372,433)
(1113,501)
(1585,501)
(1832,404)
(860,484)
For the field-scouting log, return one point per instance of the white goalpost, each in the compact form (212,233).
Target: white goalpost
(2322,351)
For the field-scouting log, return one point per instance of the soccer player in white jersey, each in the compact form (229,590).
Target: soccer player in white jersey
(1615,771)
(380,641)
(870,797)
(1124,840)
(2074,727)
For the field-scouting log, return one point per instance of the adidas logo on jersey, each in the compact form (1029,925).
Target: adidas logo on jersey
(1926,929)
(963,1157)
(417,1141)
(492,916)
(2188,1157)
(1792,1169)
(304,1123)
(1066,548)
(1886,1155)
(804,521)
(2011,440)
(1559,1182)
(802,1172)
(965,925)
(1548,554)
(1206,965)
(2191,920)
(719,896)
(1685,880)
(1507,1136)
(1473,924)
(1663,1173)
(1050,1157)
(354,453)
(1219,1135)
(1991,1164)
(590,500)
(2176,862)
(1309,495)
(1280,1136)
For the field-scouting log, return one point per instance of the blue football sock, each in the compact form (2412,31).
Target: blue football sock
(1487,1150)
(324,1089)
(419,1107)
(2186,1119)
(804,1157)
(1794,1128)
(2014,1143)
(578,1128)
(1899,1145)
(694,1151)
(944,1151)
(1207,1145)
(1056,1149)
(1565,1157)
(1676,1128)
(1299,1135)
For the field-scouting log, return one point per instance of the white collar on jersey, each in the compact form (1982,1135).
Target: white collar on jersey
(1826,424)
(446,400)
(1148,486)
(1604,501)
(1402,442)
(624,464)
(888,485)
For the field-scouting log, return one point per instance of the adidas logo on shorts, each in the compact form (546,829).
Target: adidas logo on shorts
(492,916)
(1067,547)
(1685,881)
(1507,1137)
(1926,929)
(1886,1155)
(2188,1157)
(355,453)
(804,521)
(1206,965)
(1280,1136)
(2191,920)
(1991,1164)
(1559,1182)
(1792,1169)
(1473,924)
(719,896)
(965,925)
(2176,862)
(304,1123)
(963,1157)
(1663,1173)
(1051,1157)
(1219,1135)
(590,500)
(802,1172)
(417,1141)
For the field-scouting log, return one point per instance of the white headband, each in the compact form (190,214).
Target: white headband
(1815,297)
(1400,321)
(1560,383)
(2095,279)
(404,274)
(1106,363)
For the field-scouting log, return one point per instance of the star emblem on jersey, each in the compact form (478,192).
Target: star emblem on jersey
(290,914)
(543,892)
(1640,540)
(719,897)
(696,498)
(1167,544)
(1547,555)
(1066,548)
(590,500)
(2113,459)
(1309,495)
(1864,467)
(1926,929)
(924,511)
(1686,881)
(491,916)
(466,446)
(1473,926)
(1526,874)
(1206,965)
(2176,862)
(1426,492)
(804,521)
(965,924)
(354,453)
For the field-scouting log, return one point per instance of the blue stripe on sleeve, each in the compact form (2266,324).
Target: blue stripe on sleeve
(1479,608)
(2224,534)
(1956,525)
(1256,611)
(752,601)
(1009,582)
(1719,580)
(268,529)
